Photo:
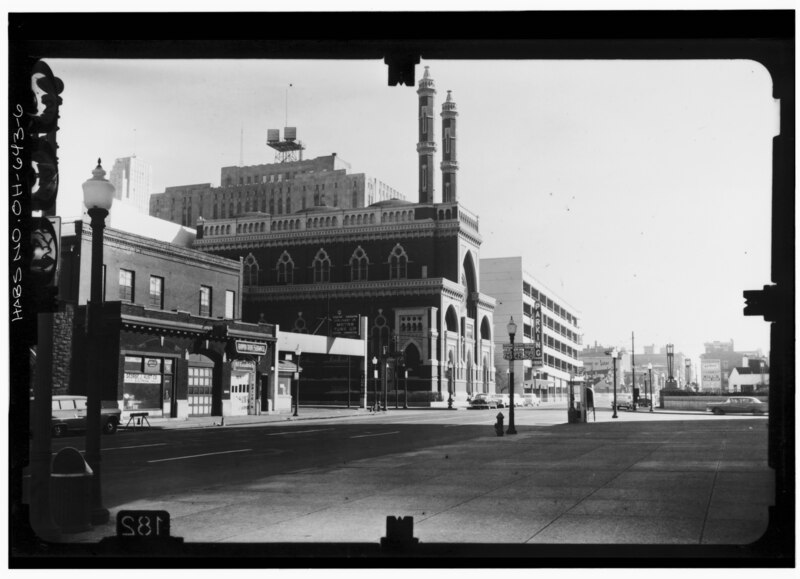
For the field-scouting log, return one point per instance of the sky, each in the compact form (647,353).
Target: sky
(636,191)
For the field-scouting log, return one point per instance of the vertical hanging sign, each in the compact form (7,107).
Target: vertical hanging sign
(538,355)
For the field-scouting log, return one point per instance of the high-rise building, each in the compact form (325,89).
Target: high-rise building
(517,292)
(279,189)
(133,182)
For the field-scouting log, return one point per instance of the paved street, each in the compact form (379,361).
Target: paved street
(653,478)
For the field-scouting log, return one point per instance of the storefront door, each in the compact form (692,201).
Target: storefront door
(200,382)
(242,380)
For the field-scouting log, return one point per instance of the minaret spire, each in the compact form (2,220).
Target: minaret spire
(426,146)
(449,164)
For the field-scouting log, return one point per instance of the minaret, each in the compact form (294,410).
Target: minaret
(426,146)
(449,164)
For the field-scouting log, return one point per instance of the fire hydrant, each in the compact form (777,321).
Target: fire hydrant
(498,427)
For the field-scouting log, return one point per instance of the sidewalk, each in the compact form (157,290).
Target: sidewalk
(305,413)
(611,482)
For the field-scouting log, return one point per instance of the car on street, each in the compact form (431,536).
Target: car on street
(738,405)
(624,400)
(502,400)
(482,401)
(530,400)
(69,414)
(643,402)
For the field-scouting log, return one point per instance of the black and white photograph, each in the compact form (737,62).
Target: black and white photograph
(291,290)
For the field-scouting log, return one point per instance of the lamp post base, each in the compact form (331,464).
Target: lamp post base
(511,430)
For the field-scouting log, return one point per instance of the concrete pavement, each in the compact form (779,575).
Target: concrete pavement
(637,479)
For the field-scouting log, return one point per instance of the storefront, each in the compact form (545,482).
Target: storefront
(148,385)
(175,365)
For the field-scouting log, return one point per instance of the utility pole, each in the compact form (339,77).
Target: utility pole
(633,372)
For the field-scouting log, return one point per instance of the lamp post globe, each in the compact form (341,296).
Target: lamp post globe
(511,327)
(98,195)
(375,405)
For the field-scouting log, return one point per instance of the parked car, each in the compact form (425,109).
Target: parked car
(502,400)
(624,400)
(643,402)
(69,413)
(531,400)
(738,405)
(482,401)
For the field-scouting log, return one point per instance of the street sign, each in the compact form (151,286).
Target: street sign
(521,352)
(538,356)
(345,326)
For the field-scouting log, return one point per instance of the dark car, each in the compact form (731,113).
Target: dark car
(482,401)
(738,405)
(643,402)
(69,413)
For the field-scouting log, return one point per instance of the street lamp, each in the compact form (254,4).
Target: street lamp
(297,353)
(375,382)
(405,388)
(614,354)
(98,195)
(512,330)
(652,396)
(450,384)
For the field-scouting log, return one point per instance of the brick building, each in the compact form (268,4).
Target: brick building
(274,188)
(411,268)
(173,341)
(722,358)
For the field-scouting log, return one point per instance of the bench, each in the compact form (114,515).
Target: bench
(141,416)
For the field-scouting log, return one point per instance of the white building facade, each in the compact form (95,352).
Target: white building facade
(516,292)
(133,182)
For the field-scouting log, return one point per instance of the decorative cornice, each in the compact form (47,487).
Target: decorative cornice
(139,244)
(362,233)
(371,289)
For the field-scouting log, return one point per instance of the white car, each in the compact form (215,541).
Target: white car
(531,400)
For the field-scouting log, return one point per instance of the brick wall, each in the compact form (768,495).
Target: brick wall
(63,337)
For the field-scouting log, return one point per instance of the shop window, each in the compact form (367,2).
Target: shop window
(156,292)
(205,301)
(126,284)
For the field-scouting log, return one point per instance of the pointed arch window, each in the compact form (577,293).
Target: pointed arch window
(250,270)
(285,269)
(322,267)
(398,263)
(359,263)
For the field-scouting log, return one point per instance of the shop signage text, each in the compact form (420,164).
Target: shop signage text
(243,347)
(345,326)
